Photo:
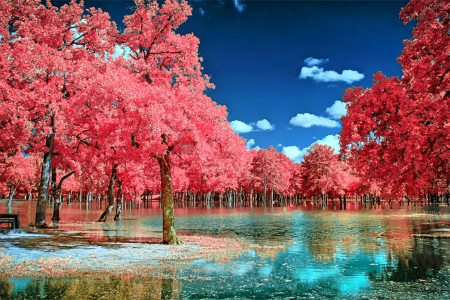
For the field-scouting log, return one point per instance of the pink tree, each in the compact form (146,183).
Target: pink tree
(44,58)
(19,172)
(167,63)
(319,163)
(271,170)
(398,126)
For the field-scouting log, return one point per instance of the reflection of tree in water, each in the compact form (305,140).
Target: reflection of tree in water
(272,236)
(98,288)
(271,249)
(327,234)
(5,288)
(423,261)
(170,289)
(278,228)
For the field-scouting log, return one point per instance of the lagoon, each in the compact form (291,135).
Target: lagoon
(295,252)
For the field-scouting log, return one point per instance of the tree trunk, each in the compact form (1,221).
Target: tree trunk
(118,215)
(53,186)
(11,196)
(41,205)
(169,234)
(57,196)
(112,181)
(265,191)
(271,196)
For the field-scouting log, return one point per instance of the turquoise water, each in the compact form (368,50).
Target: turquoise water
(300,252)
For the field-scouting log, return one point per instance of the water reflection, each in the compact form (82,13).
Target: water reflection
(413,264)
(91,288)
(300,251)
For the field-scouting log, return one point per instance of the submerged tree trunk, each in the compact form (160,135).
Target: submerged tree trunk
(112,181)
(41,205)
(169,234)
(56,194)
(118,215)
(11,196)
(265,191)
(271,196)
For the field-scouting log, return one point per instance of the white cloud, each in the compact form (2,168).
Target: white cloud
(337,110)
(264,125)
(311,61)
(307,120)
(294,153)
(332,141)
(240,127)
(319,75)
(201,11)
(250,143)
(239,6)
(307,72)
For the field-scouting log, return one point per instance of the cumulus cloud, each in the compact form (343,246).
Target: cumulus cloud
(319,75)
(293,153)
(332,141)
(337,110)
(201,11)
(296,155)
(307,120)
(239,6)
(240,127)
(264,125)
(250,143)
(311,61)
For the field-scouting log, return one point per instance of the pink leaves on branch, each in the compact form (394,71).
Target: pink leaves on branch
(325,173)
(396,132)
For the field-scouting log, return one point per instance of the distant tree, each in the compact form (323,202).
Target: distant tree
(272,172)
(19,172)
(296,183)
(319,163)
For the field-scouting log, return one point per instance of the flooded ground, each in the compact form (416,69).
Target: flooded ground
(298,252)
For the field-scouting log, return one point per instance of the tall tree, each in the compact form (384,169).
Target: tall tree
(398,127)
(170,65)
(45,49)
(318,164)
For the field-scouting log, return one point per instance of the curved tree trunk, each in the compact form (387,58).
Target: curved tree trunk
(56,194)
(118,215)
(169,234)
(41,205)
(112,181)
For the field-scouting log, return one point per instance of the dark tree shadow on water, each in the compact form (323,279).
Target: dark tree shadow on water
(6,289)
(424,261)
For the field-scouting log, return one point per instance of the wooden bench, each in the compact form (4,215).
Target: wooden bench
(12,219)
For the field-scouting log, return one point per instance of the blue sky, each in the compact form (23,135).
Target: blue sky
(281,67)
